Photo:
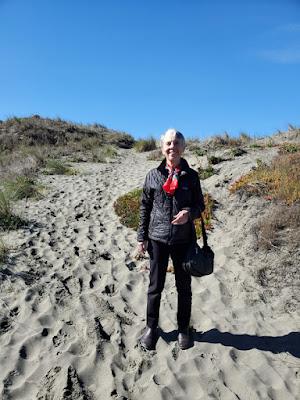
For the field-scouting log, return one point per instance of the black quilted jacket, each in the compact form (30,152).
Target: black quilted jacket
(158,208)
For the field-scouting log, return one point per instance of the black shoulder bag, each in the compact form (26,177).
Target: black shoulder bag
(199,261)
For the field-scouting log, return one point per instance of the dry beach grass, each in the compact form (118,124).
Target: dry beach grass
(73,296)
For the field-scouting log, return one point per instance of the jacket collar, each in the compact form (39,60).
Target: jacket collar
(184,167)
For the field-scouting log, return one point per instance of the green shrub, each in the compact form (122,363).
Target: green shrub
(127,207)
(145,145)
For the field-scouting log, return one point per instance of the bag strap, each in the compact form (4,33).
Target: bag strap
(204,235)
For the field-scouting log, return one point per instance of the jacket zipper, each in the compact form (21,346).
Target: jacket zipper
(171,217)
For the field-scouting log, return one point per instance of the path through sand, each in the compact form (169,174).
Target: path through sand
(74,299)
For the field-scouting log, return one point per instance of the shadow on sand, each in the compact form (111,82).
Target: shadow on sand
(289,343)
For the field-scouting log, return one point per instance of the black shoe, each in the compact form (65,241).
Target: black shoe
(149,338)
(184,339)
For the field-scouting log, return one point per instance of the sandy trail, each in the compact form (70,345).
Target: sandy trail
(74,307)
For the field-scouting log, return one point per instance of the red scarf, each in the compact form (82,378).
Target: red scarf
(171,183)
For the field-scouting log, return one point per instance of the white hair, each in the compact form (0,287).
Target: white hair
(172,131)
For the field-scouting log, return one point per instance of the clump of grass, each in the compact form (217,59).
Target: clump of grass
(155,155)
(215,160)
(207,215)
(127,207)
(238,151)
(244,137)
(255,146)
(22,187)
(289,148)
(207,172)
(278,181)
(58,167)
(7,219)
(145,145)
(199,151)
(101,154)
(110,151)
(193,144)
(278,233)
(3,252)
(271,229)
(227,141)
(270,143)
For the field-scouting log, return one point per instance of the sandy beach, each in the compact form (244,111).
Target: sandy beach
(73,300)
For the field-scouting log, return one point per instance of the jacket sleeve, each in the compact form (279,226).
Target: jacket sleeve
(198,205)
(145,210)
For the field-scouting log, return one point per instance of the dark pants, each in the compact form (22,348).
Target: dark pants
(159,257)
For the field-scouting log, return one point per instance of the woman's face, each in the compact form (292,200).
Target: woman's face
(172,149)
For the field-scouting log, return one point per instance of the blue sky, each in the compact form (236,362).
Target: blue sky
(203,67)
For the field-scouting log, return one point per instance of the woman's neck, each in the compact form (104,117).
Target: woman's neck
(173,164)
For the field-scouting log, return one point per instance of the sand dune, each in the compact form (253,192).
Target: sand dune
(73,301)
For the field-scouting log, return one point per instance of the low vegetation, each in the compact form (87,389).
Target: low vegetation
(278,181)
(101,154)
(145,145)
(22,187)
(289,148)
(27,143)
(35,130)
(207,215)
(127,207)
(238,151)
(213,160)
(58,167)
(8,220)
(226,140)
(155,155)
(200,152)
(207,172)
(3,252)
(278,234)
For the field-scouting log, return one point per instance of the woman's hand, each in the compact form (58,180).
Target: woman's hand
(181,218)
(142,246)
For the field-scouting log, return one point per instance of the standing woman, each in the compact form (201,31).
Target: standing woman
(171,200)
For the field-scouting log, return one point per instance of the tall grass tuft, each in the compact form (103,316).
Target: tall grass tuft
(22,187)
(145,145)
(58,167)
(3,252)
(7,219)
(207,215)
(207,172)
(101,154)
